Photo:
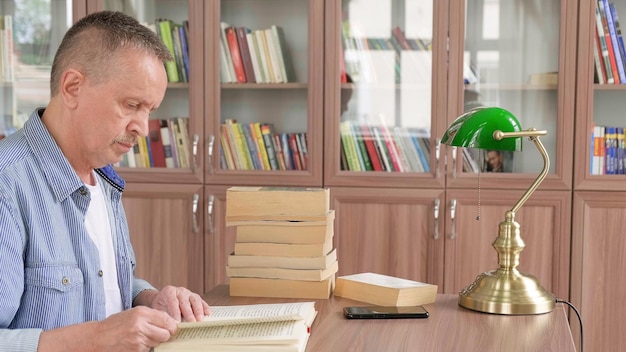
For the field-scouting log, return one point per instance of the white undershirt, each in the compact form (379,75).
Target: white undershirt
(99,229)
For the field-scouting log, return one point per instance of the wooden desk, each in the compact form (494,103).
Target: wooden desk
(449,328)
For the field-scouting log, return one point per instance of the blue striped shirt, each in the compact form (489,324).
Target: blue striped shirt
(50,273)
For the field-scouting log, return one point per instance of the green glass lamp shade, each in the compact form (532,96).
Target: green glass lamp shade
(475,128)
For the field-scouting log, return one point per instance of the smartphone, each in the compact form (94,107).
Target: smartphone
(379,312)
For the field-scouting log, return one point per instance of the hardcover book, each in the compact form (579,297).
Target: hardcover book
(256,327)
(281,288)
(385,290)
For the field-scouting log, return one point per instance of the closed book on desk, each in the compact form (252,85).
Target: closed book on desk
(276,231)
(264,261)
(281,288)
(256,327)
(283,249)
(276,203)
(385,290)
(284,273)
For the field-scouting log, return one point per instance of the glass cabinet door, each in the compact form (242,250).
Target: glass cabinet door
(30,33)
(382,91)
(172,152)
(512,58)
(270,77)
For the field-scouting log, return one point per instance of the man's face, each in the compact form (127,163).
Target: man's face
(112,115)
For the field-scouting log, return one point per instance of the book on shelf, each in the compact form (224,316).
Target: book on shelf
(235,54)
(156,143)
(276,203)
(283,54)
(268,140)
(609,44)
(610,24)
(284,273)
(281,288)
(165,32)
(278,148)
(255,327)
(385,290)
(283,249)
(166,139)
(604,48)
(274,57)
(266,261)
(284,231)
(544,78)
(246,55)
(227,69)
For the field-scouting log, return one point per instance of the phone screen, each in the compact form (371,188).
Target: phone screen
(379,312)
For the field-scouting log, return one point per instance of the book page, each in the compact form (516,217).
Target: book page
(287,332)
(255,313)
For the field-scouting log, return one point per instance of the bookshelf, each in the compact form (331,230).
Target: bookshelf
(598,206)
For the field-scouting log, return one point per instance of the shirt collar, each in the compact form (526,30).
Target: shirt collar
(61,177)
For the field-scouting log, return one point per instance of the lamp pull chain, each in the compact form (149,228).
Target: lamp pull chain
(480,161)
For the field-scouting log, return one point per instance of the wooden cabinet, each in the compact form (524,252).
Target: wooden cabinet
(598,198)
(165,224)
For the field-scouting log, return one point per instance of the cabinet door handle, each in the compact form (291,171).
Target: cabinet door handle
(209,211)
(437,155)
(210,153)
(436,233)
(196,139)
(194,211)
(454,162)
(452,216)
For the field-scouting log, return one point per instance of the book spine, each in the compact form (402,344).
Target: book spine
(185,48)
(279,151)
(156,143)
(267,61)
(605,50)
(618,32)
(229,69)
(165,31)
(349,146)
(368,139)
(266,132)
(233,45)
(613,35)
(226,148)
(244,50)
(255,129)
(609,43)
(598,60)
(274,57)
(254,57)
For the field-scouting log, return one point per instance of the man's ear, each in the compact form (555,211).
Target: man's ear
(71,83)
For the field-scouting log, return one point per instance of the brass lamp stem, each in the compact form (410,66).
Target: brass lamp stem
(506,290)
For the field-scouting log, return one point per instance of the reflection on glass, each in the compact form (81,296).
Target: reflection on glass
(514,66)
(31,32)
(386,85)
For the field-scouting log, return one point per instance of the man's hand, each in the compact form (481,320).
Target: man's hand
(136,329)
(180,303)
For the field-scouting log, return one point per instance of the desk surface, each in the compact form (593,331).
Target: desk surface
(449,328)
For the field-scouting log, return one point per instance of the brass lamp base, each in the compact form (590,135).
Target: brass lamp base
(505,291)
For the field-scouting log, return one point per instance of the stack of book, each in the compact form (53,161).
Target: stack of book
(284,242)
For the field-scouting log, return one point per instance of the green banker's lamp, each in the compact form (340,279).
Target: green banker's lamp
(504,290)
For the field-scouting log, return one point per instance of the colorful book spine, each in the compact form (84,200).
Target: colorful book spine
(165,31)
(231,37)
(614,43)
(244,50)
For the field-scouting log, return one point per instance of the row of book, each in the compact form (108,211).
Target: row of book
(357,67)
(609,52)
(284,242)
(167,145)
(254,56)
(175,37)
(7,64)
(366,147)
(255,146)
(608,155)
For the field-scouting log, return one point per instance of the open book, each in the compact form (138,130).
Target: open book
(257,327)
